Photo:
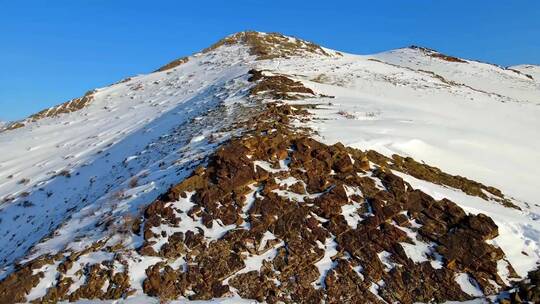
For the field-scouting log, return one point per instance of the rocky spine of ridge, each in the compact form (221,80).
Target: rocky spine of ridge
(325,180)
(277,216)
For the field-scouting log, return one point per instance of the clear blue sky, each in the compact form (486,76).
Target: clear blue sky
(51,51)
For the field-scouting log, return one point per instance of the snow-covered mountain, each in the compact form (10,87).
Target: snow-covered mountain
(266,167)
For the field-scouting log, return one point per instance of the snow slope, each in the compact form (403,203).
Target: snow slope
(126,143)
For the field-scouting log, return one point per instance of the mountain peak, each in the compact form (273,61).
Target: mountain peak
(263,46)
(271,45)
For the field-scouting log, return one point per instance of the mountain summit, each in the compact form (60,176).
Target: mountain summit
(267,168)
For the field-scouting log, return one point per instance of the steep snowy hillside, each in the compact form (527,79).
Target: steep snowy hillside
(128,139)
(270,168)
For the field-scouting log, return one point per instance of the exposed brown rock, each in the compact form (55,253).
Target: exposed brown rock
(253,285)
(528,290)
(278,87)
(17,285)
